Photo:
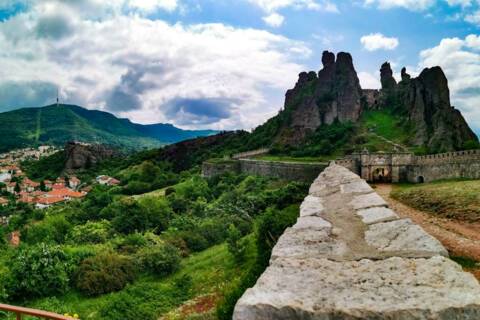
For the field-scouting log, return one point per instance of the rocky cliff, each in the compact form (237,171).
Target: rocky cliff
(82,156)
(425,101)
(334,94)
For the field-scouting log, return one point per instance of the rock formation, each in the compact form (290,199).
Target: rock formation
(335,94)
(351,257)
(426,101)
(82,156)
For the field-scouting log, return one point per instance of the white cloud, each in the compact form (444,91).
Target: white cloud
(462,3)
(202,75)
(275,5)
(274,20)
(369,80)
(413,5)
(460,60)
(153,5)
(377,41)
(473,17)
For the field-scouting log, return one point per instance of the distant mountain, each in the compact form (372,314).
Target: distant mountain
(59,124)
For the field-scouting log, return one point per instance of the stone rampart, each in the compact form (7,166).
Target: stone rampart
(250,154)
(351,257)
(292,171)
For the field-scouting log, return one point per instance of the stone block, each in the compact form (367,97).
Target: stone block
(366,201)
(376,215)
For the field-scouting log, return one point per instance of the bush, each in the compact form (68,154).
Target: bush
(128,216)
(39,271)
(53,229)
(91,232)
(104,273)
(160,260)
(236,246)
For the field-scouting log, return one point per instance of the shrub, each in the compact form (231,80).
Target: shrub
(236,246)
(160,260)
(38,271)
(91,232)
(53,229)
(104,273)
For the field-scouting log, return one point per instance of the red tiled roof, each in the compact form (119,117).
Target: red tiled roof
(3,200)
(50,200)
(65,192)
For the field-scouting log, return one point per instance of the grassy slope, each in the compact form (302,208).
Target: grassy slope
(210,270)
(451,199)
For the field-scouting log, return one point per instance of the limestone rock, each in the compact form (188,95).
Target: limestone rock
(311,206)
(306,243)
(368,201)
(314,223)
(403,236)
(376,215)
(394,289)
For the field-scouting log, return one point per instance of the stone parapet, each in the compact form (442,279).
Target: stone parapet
(351,257)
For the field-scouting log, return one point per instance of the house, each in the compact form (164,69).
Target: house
(74,182)
(3,202)
(45,202)
(5,176)
(106,180)
(65,193)
(11,187)
(29,185)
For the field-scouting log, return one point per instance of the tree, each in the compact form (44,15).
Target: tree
(42,186)
(17,188)
(39,271)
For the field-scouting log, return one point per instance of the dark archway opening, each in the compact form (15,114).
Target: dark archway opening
(420,179)
(381,175)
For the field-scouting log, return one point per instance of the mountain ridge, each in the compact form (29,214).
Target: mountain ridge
(57,125)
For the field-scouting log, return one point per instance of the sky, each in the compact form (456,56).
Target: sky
(222,64)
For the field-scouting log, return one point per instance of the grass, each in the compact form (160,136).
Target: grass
(150,297)
(448,199)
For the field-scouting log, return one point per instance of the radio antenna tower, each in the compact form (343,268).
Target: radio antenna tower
(58,102)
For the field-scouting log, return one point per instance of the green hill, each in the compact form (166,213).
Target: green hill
(59,124)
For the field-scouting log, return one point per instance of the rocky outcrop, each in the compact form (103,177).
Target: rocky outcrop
(426,101)
(386,77)
(332,94)
(83,156)
(350,257)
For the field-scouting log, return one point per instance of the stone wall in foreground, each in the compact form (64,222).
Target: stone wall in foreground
(351,257)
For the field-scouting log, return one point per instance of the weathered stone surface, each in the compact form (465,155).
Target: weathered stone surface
(314,223)
(311,206)
(376,215)
(344,263)
(356,187)
(386,77)
(306,243)
(315,100)
(368,201)
(403,236)
(394,289)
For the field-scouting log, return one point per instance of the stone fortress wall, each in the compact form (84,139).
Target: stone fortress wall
(351,257)
(373,167)
(291,171)
(406,167)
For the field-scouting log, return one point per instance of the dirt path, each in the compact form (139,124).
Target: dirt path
(460,238)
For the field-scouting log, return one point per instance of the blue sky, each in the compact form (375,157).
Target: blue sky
(222,64)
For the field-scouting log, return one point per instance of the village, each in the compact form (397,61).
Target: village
(16,186)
